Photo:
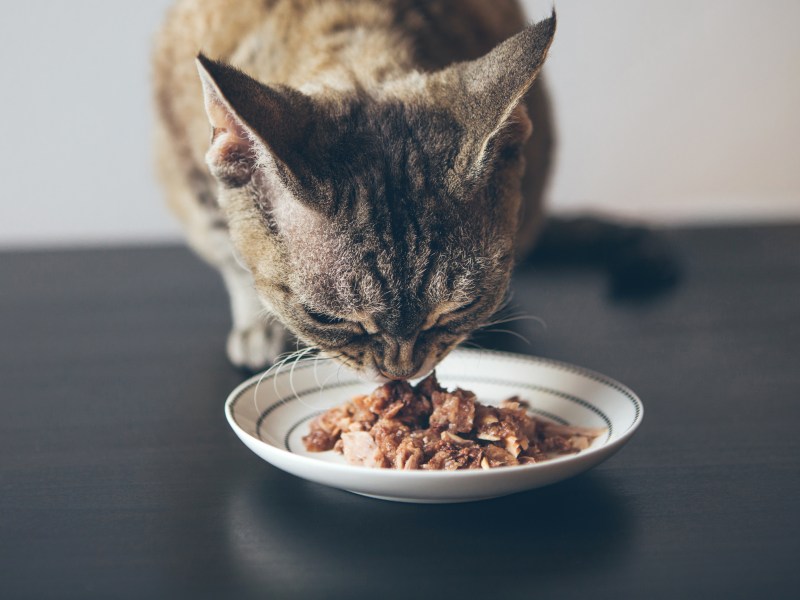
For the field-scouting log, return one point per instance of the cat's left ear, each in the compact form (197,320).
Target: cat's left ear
(486,94)
(251,122)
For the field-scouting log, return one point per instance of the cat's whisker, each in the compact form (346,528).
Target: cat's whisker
(317,358)
(295,358)
(481,350)
(300,358)
(507,310)
(507,314)
(509,332)
(316,364)
(260,379)
(279,362)
(282,364)
(538,320)
(336,373)
(505,303)
(258,384)
(472,345)
(327,379)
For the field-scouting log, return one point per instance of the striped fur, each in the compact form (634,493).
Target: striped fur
(366,165)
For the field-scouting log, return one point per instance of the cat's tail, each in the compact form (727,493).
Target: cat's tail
(641,262)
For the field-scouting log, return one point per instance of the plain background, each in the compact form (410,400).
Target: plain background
(667,110)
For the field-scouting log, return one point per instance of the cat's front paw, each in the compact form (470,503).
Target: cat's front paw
(257,346)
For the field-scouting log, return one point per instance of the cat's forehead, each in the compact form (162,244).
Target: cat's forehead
(357,269)
(342,268)
(393,133)
(387,163)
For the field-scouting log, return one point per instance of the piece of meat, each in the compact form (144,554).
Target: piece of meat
(514,410)
(361,409)
(389,434)
(319,440)
(360,449)
(454,411)
(409,454)
(494,456)
(451,456)
(507,426)
(326,428)
(427,386)
(429,440)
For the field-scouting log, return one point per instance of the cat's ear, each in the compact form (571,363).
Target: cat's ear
(250,121)
(488,92)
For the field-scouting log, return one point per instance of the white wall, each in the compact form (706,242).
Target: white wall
(671,110)
(75,141)
(678,109)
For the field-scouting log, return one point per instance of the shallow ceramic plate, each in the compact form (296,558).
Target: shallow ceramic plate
(271,415)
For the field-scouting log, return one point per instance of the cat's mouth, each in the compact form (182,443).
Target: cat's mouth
(374,374)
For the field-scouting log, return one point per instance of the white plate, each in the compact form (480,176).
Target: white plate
(272,416)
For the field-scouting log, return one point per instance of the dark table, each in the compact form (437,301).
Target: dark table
(119,476)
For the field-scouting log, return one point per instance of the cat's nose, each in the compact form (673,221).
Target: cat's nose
(399,358)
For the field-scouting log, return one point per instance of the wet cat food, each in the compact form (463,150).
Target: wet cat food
(399,426)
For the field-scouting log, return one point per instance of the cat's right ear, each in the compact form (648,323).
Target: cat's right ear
(251,123)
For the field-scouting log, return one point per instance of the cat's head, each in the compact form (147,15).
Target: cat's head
(378,224)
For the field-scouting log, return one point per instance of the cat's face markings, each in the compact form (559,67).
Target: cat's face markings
(405,335)
(387,215)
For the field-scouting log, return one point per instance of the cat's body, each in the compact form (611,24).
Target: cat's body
(291,200)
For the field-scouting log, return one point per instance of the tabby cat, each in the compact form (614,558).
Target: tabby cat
(374,167)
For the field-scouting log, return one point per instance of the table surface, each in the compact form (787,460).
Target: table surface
(119,476)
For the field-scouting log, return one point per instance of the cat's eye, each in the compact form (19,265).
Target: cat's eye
(448,313)
(322,318)
(328,320)
(464,308)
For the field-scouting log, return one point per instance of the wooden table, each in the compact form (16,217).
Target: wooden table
(119,476)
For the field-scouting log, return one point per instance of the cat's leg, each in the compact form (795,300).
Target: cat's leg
(255,340)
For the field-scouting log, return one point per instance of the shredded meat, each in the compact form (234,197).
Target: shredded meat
(454,411)
(398,426)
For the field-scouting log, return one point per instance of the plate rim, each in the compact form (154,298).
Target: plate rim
(310,462)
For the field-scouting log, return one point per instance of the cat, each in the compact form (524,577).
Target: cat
(372,170)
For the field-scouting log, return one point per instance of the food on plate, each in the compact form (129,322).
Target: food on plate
(400,426)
